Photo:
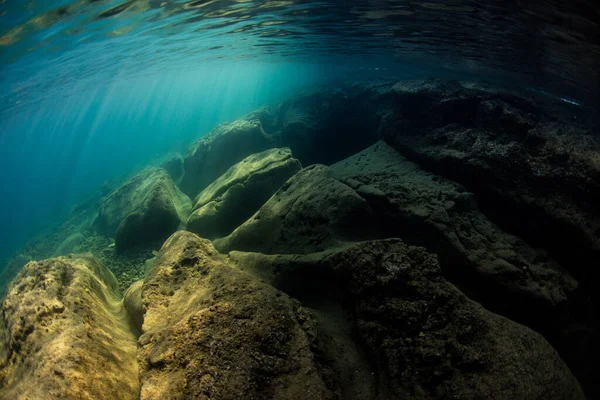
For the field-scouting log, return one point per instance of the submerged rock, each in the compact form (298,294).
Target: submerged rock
(439,214)
(132,301)
(425,339)
(69,245)
(325,126)
(147,207)
(66,334)
(211,331)
(378,193)
(239,192)
(535,175)
(174,167)
(312,211)
(229,143)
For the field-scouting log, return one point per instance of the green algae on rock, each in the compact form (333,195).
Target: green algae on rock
(242,190)
(69,245)
(132,301)
(147,207)
(312,211)
(67,333)
(212,331)
(229,143)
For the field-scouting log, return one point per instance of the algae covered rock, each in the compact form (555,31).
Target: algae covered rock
(229,143)
(132,301)
(212,331)
(425,339)
(69,245)
(66,333)
(147,207)
(310,212)
(241,191)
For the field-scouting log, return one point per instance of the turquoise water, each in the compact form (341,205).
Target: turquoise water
(60,148)
(90,91)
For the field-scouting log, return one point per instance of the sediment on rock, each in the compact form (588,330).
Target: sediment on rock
(66,333)
(216,332)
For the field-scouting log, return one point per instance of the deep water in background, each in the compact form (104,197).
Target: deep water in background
(60,149)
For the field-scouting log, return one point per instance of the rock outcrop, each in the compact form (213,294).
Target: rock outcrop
(229,143)
(534,175)
(378,193)
(240,192)
(311,212)
(211,331)
(426,340)
(431,211)
(66,334)
(147,207)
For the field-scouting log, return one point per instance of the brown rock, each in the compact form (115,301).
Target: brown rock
(66,334)
(211,331)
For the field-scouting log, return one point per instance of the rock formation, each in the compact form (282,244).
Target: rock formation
(147,207)
(212,155)
(240,192)
(424,338)
(211,331)
(66,334)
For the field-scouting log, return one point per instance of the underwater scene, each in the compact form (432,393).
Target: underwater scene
(321,200)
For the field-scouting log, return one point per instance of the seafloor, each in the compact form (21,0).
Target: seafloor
(377,240)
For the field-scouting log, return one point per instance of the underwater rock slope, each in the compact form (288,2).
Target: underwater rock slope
(424,339)
(434,246)
(238,193)
(211,331)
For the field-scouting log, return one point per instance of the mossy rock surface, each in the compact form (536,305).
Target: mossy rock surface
(240,192)
(213,331)
(147,207)
(66,333)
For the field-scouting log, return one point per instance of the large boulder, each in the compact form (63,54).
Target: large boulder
(240,192)
(312,211)
(65,334)
(536,174)
(147,207)
(229,143)
(212,331)
(533,174)
(424,338)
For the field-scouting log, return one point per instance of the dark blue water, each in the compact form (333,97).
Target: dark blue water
(91,91)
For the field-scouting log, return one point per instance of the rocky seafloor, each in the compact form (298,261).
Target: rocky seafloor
(377,240)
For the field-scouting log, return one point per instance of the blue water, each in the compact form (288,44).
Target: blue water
(91,91)
(56,151)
